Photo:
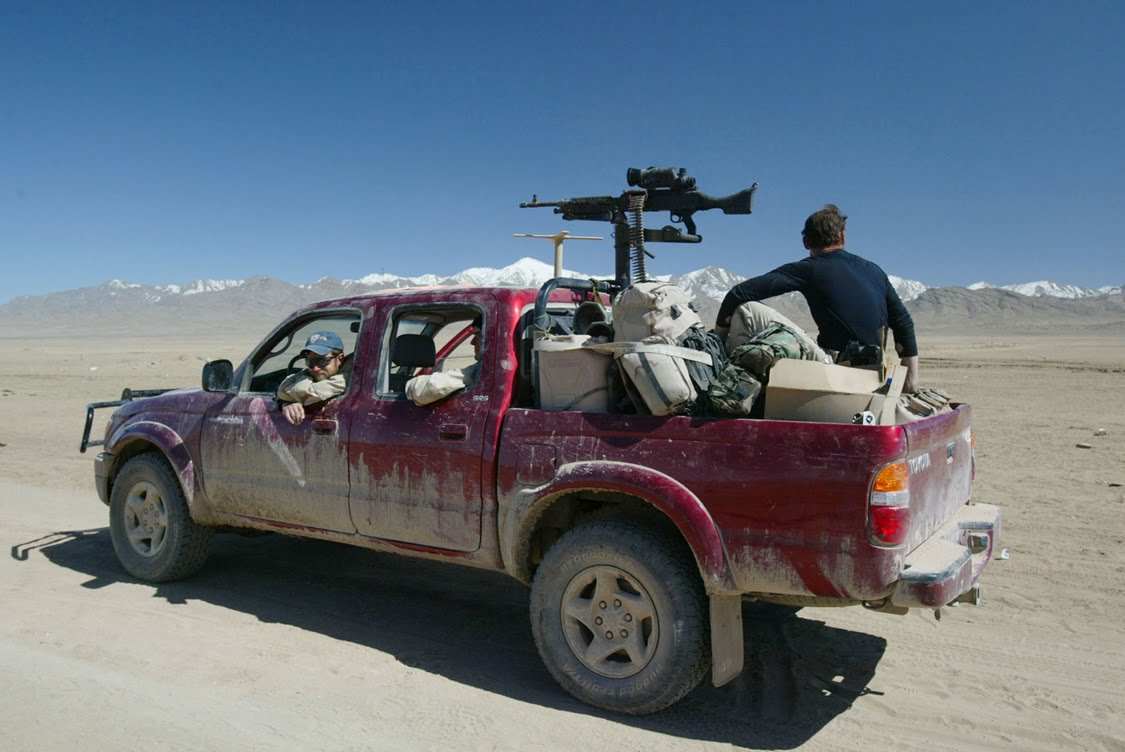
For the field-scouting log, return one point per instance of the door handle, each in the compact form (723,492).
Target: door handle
(453,431)
(324,426)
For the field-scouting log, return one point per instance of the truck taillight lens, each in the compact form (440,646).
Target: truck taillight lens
(888,511)
(973,454)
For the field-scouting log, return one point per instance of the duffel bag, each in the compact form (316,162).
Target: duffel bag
(656,374)
(649,309)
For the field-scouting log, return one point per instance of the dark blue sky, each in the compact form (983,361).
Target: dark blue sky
(160,142)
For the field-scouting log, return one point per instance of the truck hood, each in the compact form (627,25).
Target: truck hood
(191,399)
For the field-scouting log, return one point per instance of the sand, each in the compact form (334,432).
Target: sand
(280,643)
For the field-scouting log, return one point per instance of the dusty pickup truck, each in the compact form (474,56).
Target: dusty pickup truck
(639,536)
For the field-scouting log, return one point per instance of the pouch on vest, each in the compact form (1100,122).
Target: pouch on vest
(858,355)
(652,308)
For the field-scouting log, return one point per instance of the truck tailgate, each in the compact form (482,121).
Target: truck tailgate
(940,457)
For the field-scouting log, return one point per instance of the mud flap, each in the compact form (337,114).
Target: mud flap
(727,648)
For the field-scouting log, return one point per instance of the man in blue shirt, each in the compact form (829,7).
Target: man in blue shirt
(850,298)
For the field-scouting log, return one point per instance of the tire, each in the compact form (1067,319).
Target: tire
(644,591)
(153,534)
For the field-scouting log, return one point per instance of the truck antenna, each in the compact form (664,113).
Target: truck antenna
(559,237)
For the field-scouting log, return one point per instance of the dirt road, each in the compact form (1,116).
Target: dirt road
(287,644)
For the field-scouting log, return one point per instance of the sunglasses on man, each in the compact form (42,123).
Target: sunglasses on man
(318,361)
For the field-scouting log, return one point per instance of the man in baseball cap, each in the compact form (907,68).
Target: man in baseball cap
(323,378)
(323,343)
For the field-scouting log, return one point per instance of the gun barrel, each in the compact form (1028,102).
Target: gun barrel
(568,203)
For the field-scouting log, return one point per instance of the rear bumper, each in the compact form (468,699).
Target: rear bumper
(950,561)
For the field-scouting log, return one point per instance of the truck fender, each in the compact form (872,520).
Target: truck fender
(170,445)
(663,492)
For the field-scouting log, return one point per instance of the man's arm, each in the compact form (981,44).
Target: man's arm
(422,390)
(783,279)
(302,388)
(902,324)
(910,384)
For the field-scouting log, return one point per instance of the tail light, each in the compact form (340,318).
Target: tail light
(973,454)
(888,510)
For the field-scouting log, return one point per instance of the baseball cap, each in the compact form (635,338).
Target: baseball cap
(323,343)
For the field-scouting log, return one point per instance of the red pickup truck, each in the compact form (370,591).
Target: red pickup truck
(639,536)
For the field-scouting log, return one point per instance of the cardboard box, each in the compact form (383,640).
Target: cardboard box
(809,391)
(888,415)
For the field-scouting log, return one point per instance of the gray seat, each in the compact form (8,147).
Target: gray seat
(410,351)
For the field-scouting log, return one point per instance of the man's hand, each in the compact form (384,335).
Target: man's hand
(910,384)
(294,412)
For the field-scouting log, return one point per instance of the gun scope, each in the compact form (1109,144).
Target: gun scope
(660,177)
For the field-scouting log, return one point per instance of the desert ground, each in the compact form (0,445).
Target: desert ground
(284,644)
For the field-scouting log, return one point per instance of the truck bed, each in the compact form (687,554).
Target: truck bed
(788,500)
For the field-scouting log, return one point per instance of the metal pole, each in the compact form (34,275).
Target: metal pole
(558,238)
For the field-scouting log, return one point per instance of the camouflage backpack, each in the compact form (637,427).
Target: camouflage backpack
(773,343)
(733,393)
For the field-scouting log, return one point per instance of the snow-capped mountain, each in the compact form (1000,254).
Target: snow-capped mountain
(1044,289)
(259,302)
(907,289)
(527,272)
(201,285)
(155,294)
(710,283)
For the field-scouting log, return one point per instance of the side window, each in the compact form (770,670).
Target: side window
(433,340)
(455,346)
(283,354)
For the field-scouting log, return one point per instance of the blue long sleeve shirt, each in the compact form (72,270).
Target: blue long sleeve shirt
(849,297)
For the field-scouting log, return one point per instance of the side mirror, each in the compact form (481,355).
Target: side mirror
(217,375)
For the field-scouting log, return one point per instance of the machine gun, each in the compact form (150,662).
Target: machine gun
(656,189)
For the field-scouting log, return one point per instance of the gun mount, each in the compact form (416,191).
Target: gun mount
(654,189)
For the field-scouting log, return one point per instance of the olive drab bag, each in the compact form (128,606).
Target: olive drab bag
(773,343)
(652,308)
(734,392)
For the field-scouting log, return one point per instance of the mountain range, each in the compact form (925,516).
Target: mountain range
(260,302)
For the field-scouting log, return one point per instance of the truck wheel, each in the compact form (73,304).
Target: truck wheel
(152,532)
(619,617)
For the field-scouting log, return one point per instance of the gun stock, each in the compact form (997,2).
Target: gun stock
(693,201)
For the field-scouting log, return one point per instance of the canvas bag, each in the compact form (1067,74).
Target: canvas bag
(773,343)
(749,320)
(652,308)
(655,373)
